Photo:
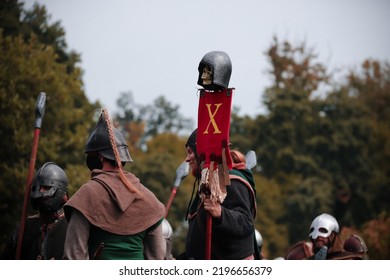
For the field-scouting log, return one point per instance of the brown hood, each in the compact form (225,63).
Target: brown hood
(108,204)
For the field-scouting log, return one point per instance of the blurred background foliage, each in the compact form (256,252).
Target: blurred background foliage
(327,152)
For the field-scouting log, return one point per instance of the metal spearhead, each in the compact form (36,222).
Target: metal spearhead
(321,254)
(181,172)
(251,159)
(40,109)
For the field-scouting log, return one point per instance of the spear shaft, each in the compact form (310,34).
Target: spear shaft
(39,112)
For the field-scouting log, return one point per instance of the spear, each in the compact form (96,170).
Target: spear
(251,160)
(39,112)
(181,173)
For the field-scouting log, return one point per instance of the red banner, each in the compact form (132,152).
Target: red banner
(214,126)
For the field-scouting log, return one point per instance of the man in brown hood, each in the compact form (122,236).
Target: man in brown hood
(113,216)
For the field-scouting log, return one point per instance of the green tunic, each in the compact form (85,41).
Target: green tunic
(118,247)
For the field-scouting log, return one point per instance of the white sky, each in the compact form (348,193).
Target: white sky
(153,47)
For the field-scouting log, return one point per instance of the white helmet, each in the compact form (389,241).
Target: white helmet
(167,229)
(259,238)
(323,225)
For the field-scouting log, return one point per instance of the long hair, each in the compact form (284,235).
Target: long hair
(116,153)
(239,160)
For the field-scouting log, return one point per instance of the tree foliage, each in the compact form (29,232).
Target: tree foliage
(327,153)
(30,65)
(143,122)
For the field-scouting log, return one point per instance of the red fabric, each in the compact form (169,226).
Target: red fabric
(214,126)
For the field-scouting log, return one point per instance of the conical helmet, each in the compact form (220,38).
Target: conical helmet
(99,142)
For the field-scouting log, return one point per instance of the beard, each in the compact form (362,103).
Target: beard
(319,243)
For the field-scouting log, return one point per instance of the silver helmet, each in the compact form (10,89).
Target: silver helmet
(356,244)
(221,68)
(49,186)
(323,225)
(259,238)
(167,229)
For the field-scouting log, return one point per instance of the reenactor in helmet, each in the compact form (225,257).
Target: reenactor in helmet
(233,220)
(327,245)
(44,234)
(355,243)
(113,216)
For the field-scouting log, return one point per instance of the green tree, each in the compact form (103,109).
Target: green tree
(163,116)
(340,148)
(28,67)
(242,132)
(370,88)
(147,121)
(285,133)
(15,21)
(269,220)
(327,153)
(156,168)
(129,119)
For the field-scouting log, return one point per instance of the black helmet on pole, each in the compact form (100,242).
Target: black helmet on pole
(99,142)
(49,186)
(221,66)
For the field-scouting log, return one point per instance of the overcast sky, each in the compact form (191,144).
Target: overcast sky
(153,47)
